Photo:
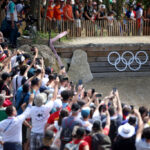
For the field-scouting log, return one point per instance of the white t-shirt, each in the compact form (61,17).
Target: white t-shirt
(45,80)
(96,116)
(139,13)
(141,144)
(11,128)
(17,79)
(61,89)
(13,61)
(132,15)
(39,116)
(87,125)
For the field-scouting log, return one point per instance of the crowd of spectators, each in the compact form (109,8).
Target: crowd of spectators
(64,10)
(43,110)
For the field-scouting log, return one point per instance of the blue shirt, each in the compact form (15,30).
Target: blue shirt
(20,99)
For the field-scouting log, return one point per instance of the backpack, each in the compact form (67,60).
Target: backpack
(72,146)
(113,130)
(66,134)
(100,142)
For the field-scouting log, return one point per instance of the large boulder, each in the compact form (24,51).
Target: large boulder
(45,52)
(79,67)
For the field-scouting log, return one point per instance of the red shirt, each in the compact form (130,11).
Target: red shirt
(55,116)
(82,145)
(3,57)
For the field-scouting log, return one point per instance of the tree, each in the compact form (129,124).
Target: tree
(119,8)
(107,3)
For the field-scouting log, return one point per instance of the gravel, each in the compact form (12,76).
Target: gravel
(109,40)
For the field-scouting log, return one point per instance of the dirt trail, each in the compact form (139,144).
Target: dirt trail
(109,40)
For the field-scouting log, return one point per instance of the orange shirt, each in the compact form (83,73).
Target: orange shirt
(68,9)
(50,12)
(57,12)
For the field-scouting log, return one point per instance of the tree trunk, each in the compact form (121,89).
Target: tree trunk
(44,17)
(107,3)
(119,8)
(34,5)
(39,15)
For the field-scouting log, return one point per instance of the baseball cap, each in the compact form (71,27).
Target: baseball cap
(43,88)
(97,125)
(85,112)
(75,107)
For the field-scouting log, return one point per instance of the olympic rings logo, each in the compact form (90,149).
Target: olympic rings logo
(128,62)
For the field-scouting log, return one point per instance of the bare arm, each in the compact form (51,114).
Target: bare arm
(50,127)
(88,104)
(86,147)
(107,120)
(55,89)
(140,124)
(12,20)
(78,14)
(27,124)
(29,67)
(118,103)
(87,15)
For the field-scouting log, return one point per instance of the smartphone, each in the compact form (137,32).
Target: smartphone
(132,107)
(80,82)
(98,95)
(114,90)
(55,75)
(85,94)
(62,67)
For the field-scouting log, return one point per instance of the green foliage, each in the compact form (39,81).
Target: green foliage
(53,34)
(146,4)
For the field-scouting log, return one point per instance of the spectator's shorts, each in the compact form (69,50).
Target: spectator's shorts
(78,23)
(36,140)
